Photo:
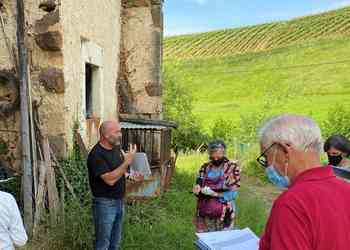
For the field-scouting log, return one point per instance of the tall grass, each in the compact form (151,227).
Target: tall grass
(162,223)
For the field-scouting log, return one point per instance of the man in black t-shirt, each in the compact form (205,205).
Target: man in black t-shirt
(108,166)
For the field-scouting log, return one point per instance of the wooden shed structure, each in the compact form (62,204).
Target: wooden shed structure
(152,137)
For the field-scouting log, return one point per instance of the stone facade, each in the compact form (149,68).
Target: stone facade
(139,80)
(81,53)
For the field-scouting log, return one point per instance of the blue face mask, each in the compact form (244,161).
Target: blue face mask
(277,179)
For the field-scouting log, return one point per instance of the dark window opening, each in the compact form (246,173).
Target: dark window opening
(88,90)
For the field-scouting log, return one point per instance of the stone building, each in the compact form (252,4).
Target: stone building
(88,61)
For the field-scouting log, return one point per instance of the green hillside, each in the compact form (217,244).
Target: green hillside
(260,37)
(301,66)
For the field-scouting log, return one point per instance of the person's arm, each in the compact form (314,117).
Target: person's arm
(110,178)
(199,180)
(230,195)
(232,183)
(289,229)
(17,232)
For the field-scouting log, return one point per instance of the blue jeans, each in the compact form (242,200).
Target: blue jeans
(108,218)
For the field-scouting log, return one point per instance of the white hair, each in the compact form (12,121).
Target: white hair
(300,131)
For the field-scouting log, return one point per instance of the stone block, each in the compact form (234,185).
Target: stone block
(42,25)
(52,79)
(49,41)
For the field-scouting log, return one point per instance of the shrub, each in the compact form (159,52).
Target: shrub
(338,121)
(177,107)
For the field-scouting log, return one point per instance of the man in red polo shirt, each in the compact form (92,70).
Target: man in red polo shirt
(314,211)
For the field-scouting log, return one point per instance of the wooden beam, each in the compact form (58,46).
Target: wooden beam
(65,179)
(80,142)
(51,182)
(40,197)
(27,178)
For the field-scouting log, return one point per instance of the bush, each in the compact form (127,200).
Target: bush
(177,107)
(224,129)
(12,186)
(338,121)
(77,174)
(250,167)
(75,227)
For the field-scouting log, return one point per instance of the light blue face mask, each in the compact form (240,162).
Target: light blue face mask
(277,179)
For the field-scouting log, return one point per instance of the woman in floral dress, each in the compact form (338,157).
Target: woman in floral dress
(216,189)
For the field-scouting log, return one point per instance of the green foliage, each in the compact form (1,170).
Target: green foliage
(177,106)
(76,172)
(3,147)
(75,169)
(224,129)
(338,121)
(252,213)
(74,231)
(250,167)
(250,84)
(12,186)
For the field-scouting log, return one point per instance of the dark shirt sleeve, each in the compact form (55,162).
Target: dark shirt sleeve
(98,166)
(287,229)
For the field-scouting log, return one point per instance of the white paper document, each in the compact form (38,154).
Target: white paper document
(229,240)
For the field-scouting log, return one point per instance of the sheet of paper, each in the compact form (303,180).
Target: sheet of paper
(227,240)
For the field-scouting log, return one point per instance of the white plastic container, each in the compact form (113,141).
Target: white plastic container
(141,165)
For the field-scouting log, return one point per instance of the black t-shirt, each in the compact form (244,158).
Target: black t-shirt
(101,161)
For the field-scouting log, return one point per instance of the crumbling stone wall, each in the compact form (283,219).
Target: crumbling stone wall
(55,30)
(139,81)
(9,108)
(45,45)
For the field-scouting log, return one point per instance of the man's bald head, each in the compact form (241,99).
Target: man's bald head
(110,132)
(107,126)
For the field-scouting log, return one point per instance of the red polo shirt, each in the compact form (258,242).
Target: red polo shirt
(314,213)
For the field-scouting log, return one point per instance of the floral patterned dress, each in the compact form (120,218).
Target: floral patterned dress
(217,213)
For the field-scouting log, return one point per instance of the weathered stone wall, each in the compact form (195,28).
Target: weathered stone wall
(61,37)
(9,122)
(91,35)
(139,81)
(45,45)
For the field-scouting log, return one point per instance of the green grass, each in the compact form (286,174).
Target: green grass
(166,223)
(274,81)
(259,37)
(162,223)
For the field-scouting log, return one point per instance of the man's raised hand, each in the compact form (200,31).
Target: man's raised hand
(130,155)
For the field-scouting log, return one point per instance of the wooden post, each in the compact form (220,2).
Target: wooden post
(52,192)
(40,197)
(27,179)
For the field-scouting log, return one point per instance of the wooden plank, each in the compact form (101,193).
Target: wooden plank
(33,137)
(52,191)
(65,179)
(62,192)
(27,178)
(81,144)
(40,196)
